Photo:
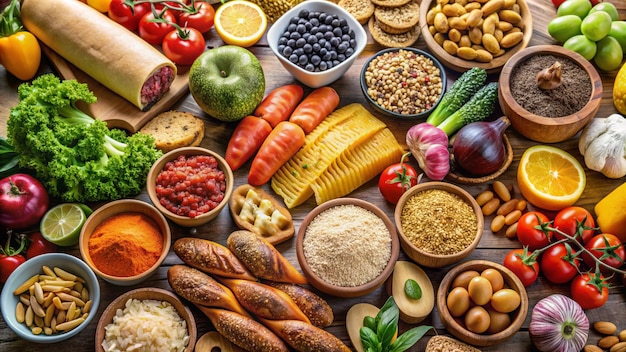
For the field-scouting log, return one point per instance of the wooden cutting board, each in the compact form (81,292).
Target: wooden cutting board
(111,108)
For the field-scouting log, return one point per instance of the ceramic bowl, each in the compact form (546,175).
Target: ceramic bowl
(459,331)
(33,266)
(189,151)
(119,207)
(427,258)
(321,78)
(144,294)
(548,129)
(460,65)
(340,290)
(384,111)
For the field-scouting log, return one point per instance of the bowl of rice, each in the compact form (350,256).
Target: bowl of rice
(152,318)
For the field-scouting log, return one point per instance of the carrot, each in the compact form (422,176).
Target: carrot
(246,140)
(279,104)
(282,143)
(314,108)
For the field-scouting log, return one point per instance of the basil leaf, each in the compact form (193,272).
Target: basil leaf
(409,338)
(388,323)
(369,340)
(369,322)
(412,289)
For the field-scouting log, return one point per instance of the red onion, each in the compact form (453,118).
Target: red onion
(558,324)
(478,148)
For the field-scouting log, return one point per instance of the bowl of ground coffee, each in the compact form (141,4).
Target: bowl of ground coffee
(549,93)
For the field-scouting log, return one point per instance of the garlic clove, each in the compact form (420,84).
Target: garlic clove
(550,78)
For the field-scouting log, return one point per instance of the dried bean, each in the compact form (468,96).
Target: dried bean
(491,206)
(497,223)
(507,207)
(501,190)
(483,197)
(511,231)
(512,217)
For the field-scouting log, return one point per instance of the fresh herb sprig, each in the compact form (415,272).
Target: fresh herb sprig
(378,332)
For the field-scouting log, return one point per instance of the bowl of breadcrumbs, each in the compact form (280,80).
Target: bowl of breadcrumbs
(347,247)
(438,223)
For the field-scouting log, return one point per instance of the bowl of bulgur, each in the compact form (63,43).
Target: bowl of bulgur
(406,83)
(347,247)
(438,223)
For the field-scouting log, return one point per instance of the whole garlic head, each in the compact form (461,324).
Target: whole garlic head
(603,144)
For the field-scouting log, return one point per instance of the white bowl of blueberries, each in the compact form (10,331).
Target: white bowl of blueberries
(317,41)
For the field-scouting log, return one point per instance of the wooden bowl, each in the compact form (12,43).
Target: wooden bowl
(548,129)
(119,207)
(338,290)
(459,176)
(460,65)
(421,256)
(517,316)
(146,293)
(189,151)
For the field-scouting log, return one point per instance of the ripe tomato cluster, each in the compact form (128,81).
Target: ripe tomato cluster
(176,26)
(567,250)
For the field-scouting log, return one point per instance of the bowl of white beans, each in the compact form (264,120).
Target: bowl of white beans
(406,83)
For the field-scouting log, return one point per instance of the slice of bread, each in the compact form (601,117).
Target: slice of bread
(175,129)
(393,40)
(361,10)
(397,20)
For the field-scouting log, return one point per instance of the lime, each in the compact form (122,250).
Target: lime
(61,224)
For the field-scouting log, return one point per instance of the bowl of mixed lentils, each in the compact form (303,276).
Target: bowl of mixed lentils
(438,223)
(406,83)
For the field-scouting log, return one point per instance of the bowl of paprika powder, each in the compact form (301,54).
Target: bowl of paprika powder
(125,241)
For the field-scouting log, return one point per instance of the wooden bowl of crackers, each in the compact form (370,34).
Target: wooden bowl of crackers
(479,34)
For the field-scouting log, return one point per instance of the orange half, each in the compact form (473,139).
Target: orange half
(240,23)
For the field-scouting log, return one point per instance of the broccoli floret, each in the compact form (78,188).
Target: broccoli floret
(76,156)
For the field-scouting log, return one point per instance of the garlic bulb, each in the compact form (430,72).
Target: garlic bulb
(603,144)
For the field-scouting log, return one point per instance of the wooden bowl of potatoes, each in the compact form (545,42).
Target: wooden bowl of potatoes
(478,34)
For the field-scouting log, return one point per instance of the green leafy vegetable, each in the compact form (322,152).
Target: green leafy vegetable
(412,289)
(459,93)
(77,157)
(378,332)
(8,159)
(478,108)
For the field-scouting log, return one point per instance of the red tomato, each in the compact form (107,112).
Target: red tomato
(153,29)
(124,15)
(39,245)
(183,46)
(576,222)
(590,290)
(524,264)
(396,179)
(23,201)
(200,16)
(608,249)
(11,258)
(528,230)
(559,264)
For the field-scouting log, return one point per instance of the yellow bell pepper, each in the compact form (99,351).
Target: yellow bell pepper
(20,52)
(611,213)
(619,91)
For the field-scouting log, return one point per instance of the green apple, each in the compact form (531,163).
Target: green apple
(608,8)
(227,82)
(579,8)
(609,55)
(582,45)
(618,31)
(564,27)
(596,25)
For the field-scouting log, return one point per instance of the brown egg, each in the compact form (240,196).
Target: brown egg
(463,279)
(505,300)
(477,319)
(494,277)
(458,301)
(480,291)
(497,321)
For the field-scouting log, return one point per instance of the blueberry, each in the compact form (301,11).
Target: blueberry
(287,51)
(345,38)
(323,66)
(300,43)
(295,35)
(335,22)
(282,41)
(352,43)
(308,48)
(342,47)
(329,35)
(349,52)
(312,39)
(291,27)
(335,42)
(304,13)
(322,17)
(299,51)
(337,32)
(303,60)
(293,58)
(291,43)
(314,30)
(315,60)
(343,22)
(316,48)
(327,56)
(315,22)
(301,29)
(328,20)
(309,67)
(341,57)
(333,55)
(308,26)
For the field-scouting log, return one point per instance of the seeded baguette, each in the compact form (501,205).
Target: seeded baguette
(315,307)
(304,337)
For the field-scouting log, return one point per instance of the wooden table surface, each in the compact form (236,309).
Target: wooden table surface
(491,247)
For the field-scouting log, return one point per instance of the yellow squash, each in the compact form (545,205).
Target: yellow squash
(619,90)
(611,213)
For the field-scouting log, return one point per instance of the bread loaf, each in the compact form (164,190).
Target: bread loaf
(304,337)
(315,307)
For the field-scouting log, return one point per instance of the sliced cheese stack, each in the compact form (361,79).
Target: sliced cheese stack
(326,164)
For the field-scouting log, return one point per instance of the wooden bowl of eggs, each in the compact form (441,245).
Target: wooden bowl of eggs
(479,34)
(482,303)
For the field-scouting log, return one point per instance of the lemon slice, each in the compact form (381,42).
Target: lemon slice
(61,224)
(240,23)
(550,178)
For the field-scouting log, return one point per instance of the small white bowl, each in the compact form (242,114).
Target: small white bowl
(69,263)
(322,78)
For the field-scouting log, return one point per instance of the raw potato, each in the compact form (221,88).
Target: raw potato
(354,322)
(412,311)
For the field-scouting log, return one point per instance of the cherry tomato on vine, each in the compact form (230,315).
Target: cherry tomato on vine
(124,15)
(608,249)
(527,232)
(572,220)
(559,263)
(183,46)
(154,32)
(200,17)
(10,257)
(590,290)
(523,264)
(397,179)
(39,245)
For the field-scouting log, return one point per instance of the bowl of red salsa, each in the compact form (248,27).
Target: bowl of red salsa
(190,185)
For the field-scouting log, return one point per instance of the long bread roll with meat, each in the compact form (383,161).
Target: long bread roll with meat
(102,48)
